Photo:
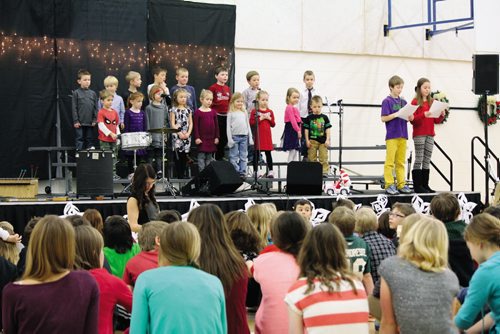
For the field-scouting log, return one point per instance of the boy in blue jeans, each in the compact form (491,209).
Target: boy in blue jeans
(84,111)
(395,139)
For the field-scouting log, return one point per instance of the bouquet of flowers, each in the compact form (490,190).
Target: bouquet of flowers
(490,112)
(440,96)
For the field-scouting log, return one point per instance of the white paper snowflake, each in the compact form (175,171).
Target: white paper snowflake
(466,207)
(319,216)
(419,205)
(70,209)
(380,205)
(193,205)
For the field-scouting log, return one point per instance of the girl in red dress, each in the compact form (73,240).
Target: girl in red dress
(265,123)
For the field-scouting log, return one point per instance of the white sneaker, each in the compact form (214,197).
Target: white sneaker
(270,174)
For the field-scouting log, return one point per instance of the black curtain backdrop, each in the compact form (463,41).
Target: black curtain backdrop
(44,43)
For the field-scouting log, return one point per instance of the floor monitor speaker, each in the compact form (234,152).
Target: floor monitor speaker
(218,178)
(304,178)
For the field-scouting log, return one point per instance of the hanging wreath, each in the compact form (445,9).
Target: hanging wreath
(441,97)
(492,110)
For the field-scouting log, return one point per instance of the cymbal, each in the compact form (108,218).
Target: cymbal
(164,130)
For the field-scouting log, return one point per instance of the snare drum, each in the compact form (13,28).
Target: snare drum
(135,140)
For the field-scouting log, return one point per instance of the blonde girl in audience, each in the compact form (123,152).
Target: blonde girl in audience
(483,239)
(9,250)
(51,297)
(239,134)
(178,297)
(277,271)
(292,133)
(417,288)
(261,216)
(327,297)
(181,118)
(112,290)
(220,257)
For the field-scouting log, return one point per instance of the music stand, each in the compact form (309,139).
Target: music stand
(167,185)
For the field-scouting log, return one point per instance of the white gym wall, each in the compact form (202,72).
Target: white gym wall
(343,43)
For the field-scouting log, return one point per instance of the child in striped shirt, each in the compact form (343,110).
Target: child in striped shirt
(327,298)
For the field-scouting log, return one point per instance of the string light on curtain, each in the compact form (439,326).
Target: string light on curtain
(115,56)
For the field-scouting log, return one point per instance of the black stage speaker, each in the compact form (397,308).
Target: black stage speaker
(485,74)
(304,178)
(218,178)
(94,173)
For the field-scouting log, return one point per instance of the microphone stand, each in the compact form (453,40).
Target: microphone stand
(341,125)
(256,152)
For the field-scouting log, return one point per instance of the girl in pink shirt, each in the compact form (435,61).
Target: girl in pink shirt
(277,271)
(292,133)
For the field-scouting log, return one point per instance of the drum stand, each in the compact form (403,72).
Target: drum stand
(127,188)
(167,186)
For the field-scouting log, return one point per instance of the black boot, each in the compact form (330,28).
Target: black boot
(425,180)
(416,175)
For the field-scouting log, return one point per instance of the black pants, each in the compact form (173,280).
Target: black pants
(256,158)
(221,147)
(155,153)
(303,146)
(180,160)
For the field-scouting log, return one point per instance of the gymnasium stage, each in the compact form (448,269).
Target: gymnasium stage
(18,212)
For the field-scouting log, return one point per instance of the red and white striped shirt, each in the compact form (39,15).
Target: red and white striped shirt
(344,311)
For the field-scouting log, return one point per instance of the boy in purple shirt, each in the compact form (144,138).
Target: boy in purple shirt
(395,139)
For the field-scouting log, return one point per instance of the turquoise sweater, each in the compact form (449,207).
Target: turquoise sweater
(484,288)
(178,299)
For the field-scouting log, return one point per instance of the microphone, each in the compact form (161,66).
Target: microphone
(328,104)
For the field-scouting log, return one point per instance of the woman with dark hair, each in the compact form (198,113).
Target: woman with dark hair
(141,204)
(119,246)
(51,297)
(220,258)
(277,271)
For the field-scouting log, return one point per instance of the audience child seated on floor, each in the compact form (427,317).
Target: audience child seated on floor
(327,297)
(220,257)
(119,246)
(483,239)
(112,290)
(446,208)
(421,264)
(398,213)
(277,271)
(148,257)
(51,297)
(380,247)
(358,251)
(303,207)
(261,216)
(177,297)
(248,242)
